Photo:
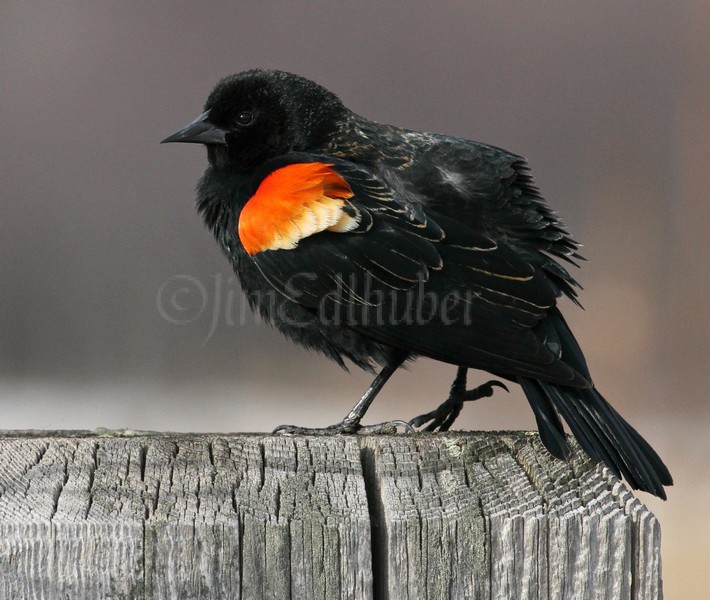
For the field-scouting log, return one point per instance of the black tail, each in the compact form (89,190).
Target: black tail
(601,432)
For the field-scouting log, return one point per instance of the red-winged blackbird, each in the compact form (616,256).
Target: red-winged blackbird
(375,244)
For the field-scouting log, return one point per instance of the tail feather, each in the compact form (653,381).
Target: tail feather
(601,432)
(593,438)
(594,435)
(552,432)
(646,455)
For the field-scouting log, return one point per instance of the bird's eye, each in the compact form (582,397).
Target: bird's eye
(244,119)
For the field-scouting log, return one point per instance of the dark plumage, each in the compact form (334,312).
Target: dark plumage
(375,244)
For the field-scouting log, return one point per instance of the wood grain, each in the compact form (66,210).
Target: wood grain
(109,515)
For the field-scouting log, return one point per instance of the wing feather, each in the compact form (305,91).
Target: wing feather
(422,282)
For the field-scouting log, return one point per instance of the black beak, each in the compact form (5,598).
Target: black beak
(200,131)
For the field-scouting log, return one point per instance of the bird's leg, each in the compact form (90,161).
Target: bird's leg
(351,423)
(443,417)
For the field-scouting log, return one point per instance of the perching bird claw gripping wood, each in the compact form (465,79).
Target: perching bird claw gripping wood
(462,515)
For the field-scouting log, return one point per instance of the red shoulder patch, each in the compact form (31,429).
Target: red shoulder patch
(292,203)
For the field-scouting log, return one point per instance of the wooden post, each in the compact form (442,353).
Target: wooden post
(121,515)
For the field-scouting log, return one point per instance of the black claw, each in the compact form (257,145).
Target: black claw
(421,419)
(388,427)
(499,384)
(345,427)
(281,429)
(451,417)
(342,427)
(444,416)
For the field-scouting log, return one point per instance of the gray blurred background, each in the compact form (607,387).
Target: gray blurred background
(117,309)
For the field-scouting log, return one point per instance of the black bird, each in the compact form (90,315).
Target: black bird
(376,244)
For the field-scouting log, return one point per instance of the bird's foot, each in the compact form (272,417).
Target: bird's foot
(342,427)
(346,426)
(388,427)
(443,417)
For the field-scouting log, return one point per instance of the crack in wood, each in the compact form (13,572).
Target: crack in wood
(378,525)
(93,465)
(477,515)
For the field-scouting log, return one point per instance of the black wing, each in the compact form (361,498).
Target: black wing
(488,189)
(426,283)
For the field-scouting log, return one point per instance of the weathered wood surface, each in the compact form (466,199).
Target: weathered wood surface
(115,515)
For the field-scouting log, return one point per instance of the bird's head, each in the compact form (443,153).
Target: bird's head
(257,115)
